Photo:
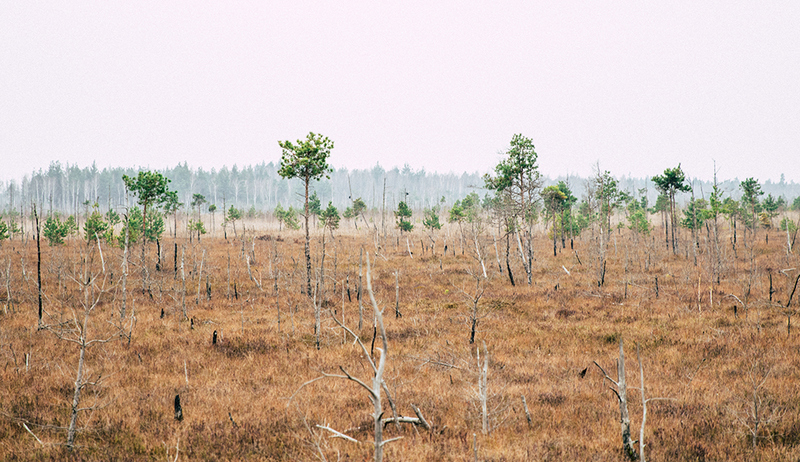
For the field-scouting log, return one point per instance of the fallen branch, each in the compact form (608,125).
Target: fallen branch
(337,434)
(400,419)
(422,420)
(29,431)
(435,363)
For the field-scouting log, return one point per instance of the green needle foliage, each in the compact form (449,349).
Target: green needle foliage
(151,188)
(431,220)
(95,226)
(314,205)
(197,228)
(751,207)
(330,217)
(518,173)
(56,230)
(306,159)
(403,213)
(154,228)
(355,211)
(287,217)
(4,234)
(669,184)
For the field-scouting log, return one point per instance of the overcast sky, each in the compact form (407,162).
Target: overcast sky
(635,86)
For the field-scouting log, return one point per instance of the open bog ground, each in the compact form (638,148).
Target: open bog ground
(721,356)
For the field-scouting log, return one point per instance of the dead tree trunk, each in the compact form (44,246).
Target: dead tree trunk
(645,400)
(621,393)
(358,293)
(497,254)
(483,392)
(317,320)
(322,270)
(9,299)
(200,277)
(125,272)
(76,331)
(183,280)
(38,264)
(377,385)
(397,294)
(79,384)
(644,406)
(508,264)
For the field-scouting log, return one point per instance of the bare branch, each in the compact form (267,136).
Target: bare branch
(737,299)
(366,387)
(303,386)
(606,374)
(357,339)
(383,443)
(391,402)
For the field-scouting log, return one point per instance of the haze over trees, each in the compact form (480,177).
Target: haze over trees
(66,188)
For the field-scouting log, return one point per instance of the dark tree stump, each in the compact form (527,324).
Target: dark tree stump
(178,408)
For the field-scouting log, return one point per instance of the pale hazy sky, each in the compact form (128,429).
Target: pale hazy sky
(444,85)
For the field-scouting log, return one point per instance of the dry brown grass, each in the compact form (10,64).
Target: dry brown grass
(540,339)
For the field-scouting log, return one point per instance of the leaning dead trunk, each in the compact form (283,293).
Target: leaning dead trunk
(508,264)
(478,253)
(526,260)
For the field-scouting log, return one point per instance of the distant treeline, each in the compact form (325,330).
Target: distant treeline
(69,189)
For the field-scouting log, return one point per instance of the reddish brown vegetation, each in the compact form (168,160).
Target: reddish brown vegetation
(706,356)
